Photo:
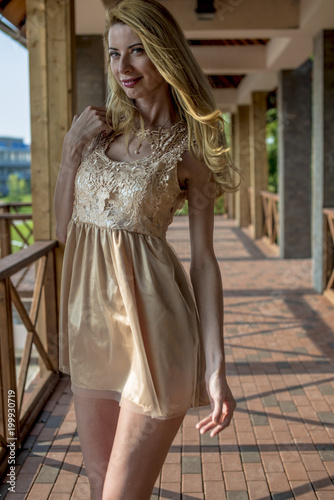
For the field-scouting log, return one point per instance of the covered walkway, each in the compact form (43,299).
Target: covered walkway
(280,358)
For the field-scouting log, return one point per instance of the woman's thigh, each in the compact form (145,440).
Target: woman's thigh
(139,451)
(96,422)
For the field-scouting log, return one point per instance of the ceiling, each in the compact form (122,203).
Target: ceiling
(242,48)
(246,43)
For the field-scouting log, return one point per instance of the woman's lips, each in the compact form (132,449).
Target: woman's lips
(131,82)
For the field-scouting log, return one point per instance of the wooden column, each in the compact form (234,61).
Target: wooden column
(258,159)
(51,45)
(242,161)
(50,41)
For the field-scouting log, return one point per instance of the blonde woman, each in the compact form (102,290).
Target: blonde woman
(141,341)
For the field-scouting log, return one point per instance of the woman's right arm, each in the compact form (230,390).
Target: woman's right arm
(84,128)
(64,192)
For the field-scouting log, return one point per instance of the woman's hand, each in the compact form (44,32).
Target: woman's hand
(87,125)
(222,402)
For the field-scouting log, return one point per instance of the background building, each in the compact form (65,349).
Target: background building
(14,159)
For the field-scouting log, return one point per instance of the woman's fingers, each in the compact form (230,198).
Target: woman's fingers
(86,125)
(202,423)
(218,419)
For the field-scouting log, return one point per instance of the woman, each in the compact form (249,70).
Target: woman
(141,342)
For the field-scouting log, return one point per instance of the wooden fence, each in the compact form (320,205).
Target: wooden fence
(270,215)
(11,217)
(20,399)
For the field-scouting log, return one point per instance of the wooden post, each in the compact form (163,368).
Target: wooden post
(258,159)
(7,361)
(50,40)
(242,161)
(51,45)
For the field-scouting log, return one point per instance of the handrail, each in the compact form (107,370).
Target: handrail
(328,274)
(14,204)
(270,215)
(41,325)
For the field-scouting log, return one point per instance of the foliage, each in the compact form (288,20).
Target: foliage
(272,126)
(26,198)
(17,242)
(17,188)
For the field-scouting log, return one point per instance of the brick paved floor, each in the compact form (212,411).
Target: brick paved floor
(279,352)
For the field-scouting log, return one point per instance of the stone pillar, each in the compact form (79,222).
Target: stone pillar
(322,146)
(294,139)
(242,161)
(90,74)
(258,159)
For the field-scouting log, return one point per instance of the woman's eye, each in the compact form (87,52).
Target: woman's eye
(112,55)
(137,50)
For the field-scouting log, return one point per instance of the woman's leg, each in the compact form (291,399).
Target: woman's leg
(139,451)
(96,422)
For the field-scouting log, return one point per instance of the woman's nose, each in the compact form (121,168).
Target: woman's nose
(124,64)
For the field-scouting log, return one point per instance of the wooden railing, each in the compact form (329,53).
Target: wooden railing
(270,215)
(21,399)
(329,253)
(10,217)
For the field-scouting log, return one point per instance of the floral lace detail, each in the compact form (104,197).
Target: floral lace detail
(140,196)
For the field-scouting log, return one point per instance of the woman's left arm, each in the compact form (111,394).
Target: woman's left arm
(207,284)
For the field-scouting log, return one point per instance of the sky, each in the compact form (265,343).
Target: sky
(14,89)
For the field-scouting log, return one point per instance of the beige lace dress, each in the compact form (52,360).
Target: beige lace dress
(129,326)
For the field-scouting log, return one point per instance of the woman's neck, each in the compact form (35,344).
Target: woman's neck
(159,113)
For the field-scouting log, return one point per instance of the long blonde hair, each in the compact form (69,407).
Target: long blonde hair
(167,48)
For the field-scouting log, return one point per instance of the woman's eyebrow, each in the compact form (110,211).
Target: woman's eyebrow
(129,47)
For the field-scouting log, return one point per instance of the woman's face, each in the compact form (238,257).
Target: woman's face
(131,66)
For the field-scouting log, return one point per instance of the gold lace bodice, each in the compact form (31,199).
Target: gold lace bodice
(140,196)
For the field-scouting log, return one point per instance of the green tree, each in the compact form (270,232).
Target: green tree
(16,188)
(272,149)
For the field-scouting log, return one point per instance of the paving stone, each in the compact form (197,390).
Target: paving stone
(326,389)
(287,495)
(191,465)
(288,406)
(237,495)
(326,417)
(253,357)
(206,440)
(297,391)
(252,456)
(259,419)
(40,448)
(282,364)
(54,421)
(265,354)
(268,401)
(47,474)
(327,455)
